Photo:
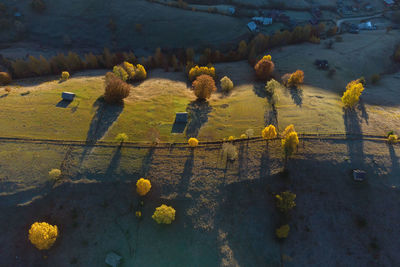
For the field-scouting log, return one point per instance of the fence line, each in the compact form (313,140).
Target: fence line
(144,144)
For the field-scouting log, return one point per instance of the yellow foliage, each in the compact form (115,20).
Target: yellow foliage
(141,73)
(393,138)
(164,214)
(243,136)
(288,130)
(289,143)
(226,84)
(267,57)
(130,69)
(283,231)
(43,235)
(269,132)
(296,78)
(138,214)
(64,75)
(285,201)
(352,94)
(231,138)
(197,71)
(143,186)
(121,137)
(55,173)
(120,73)
(193,142)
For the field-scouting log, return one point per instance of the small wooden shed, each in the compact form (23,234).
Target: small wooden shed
(68,96)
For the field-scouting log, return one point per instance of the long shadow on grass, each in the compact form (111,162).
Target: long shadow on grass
(247,216)
(102,120)
(394,158)
(354,142)
(186,174)
(364,113)
(146,163)
(198,115)
(297,95)
(114,164)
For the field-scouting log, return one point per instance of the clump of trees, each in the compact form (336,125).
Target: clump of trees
(43,235)
(264,68)
(293,79)
(226,84)
(204,86)
(164,214)
(127,71)
(352,94)
(5,78)
(290,141)
(115,89)
(196,71)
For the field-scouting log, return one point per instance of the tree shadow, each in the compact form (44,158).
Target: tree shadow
(198,115)
(264,164)
(186,174)
(271,115)
(146,162)
(260,91)
(297,95)
(243,159)
(114,164)
(354,140)
(3,95)
(63,104)
(102,120)
(364,113)
(393,158)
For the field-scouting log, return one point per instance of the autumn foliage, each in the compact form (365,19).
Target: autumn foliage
(193,142)
(264,68)
(289,143)
(196,71)
(269,132)
(115,89)
(5,78)
(143,186)
(296,78)
(203,86)
(285,201)
(43,235)
(283,231)
(352,94)
(164,214)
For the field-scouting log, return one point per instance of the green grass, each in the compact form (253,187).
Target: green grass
(150,111)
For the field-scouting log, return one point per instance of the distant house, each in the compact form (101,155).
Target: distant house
(366,26)
(252,26)
(67,96)
(389,2)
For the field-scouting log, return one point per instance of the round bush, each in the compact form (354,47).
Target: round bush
(264,68)
(164,214)
(116,89)
(193,142)
(203,86)
(143,186)
(43,235)
(226,84)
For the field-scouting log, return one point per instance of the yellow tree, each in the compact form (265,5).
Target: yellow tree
(43,235)
(285,201)
(288,130)
(352,94)
(289,144)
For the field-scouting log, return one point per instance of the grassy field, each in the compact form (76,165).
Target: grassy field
(149,111)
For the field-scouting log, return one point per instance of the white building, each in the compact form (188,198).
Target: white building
(252,26)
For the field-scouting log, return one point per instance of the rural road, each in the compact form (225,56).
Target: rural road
(340,21)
